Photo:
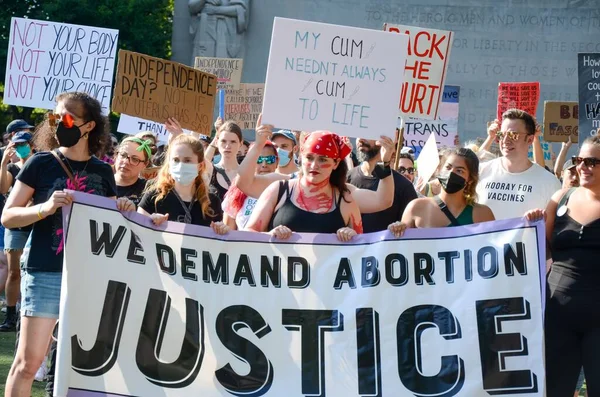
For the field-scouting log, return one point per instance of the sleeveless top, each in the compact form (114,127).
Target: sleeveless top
(301,221)
(575,253)
(220,190)
(464,218)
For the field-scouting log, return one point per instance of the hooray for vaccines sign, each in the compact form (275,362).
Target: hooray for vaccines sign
(180,311)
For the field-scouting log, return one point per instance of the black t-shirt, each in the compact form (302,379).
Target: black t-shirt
(132,192)
(43,173)
(404,193)
(171,205)
(14,170)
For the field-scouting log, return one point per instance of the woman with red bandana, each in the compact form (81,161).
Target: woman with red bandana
(318,201)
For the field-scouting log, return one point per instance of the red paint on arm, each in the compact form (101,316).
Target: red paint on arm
(356,224)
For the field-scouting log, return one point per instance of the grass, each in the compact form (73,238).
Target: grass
(7,345)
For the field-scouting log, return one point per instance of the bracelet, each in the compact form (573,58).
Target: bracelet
(39,213)
(382,172)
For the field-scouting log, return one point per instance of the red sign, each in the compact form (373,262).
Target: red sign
(523,96)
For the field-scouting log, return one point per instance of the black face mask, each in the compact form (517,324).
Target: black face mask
(240,159)
(68,137)
(452,183)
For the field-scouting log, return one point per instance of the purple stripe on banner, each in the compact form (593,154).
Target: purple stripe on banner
(90,393)
(308,238)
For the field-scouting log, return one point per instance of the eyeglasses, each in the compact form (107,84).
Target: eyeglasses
(268,159)
(132,160)
(511,135)
(589,162)
(409,170)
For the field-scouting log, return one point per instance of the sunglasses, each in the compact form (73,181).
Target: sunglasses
(589,162)
(268,159)
(409,170)
(511,135)
(67,120)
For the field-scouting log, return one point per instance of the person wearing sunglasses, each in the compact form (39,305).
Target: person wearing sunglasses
(511,185)
(132,157)
(238,206)
(406,166)
(572,320)
(69,137)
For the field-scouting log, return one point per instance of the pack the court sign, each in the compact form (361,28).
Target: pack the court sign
(182,312)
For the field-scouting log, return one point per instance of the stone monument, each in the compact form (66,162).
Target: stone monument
(218,27)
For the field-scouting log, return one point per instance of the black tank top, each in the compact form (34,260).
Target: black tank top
(301,221)
(220,190)
(575,253)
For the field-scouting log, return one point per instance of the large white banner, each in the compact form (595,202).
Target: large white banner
(182,312)
(338,78)
(47,58)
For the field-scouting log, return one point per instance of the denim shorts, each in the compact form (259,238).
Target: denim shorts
(15,239)
(40,294)
(2,229)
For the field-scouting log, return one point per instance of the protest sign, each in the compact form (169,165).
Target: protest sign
(523,96)
(548,153)
(47,58)
(132,125)
(156,89)
(337,78)
(181,311)
(588,70)
(243,105)
(445,127)
(425,72)
(561,121)
(227,70)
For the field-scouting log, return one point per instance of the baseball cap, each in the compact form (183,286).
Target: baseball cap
(204,138)
(568,165)
(407,150)
(17,125)
(286,134)
(21,136)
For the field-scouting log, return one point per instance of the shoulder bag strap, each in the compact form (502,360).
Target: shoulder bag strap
(224,175)
(565,198)
(446,211)
(64,166)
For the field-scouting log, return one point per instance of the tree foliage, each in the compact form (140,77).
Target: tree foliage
(144,26)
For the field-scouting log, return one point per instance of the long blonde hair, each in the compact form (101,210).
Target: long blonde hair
(164,182)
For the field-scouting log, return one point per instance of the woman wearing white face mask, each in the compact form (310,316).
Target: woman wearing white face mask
(179,193)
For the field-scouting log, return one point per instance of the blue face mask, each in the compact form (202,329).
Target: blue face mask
(216,159)
(23,151)
(284,157)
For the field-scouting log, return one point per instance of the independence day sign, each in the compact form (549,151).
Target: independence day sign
(338,78)
(180,311)
(47,58)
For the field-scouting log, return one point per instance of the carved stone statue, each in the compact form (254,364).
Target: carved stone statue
(218,27)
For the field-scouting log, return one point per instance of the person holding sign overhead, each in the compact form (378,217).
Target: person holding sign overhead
(80,130)
(179,192)
(318,201)
(455,205)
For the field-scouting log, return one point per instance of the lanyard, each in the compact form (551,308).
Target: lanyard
(188,209)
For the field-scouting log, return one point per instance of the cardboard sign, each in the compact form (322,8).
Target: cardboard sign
(561,121)
(523,96)
(337,78)
(425,72)
(176,310)
(133,125)
(588,69)
(47,58)
(445,127)
(243,105)
(156,89)
(548,153)
(227,70)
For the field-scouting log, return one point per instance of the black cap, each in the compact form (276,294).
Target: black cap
(17,125)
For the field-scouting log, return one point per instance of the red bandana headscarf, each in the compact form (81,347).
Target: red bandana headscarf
(325,143)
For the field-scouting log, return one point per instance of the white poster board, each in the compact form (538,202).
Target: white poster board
(47,58)
(338,78)
(132,125)
(425,73)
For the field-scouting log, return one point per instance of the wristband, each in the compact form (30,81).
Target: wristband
(39,213)
(382,172)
